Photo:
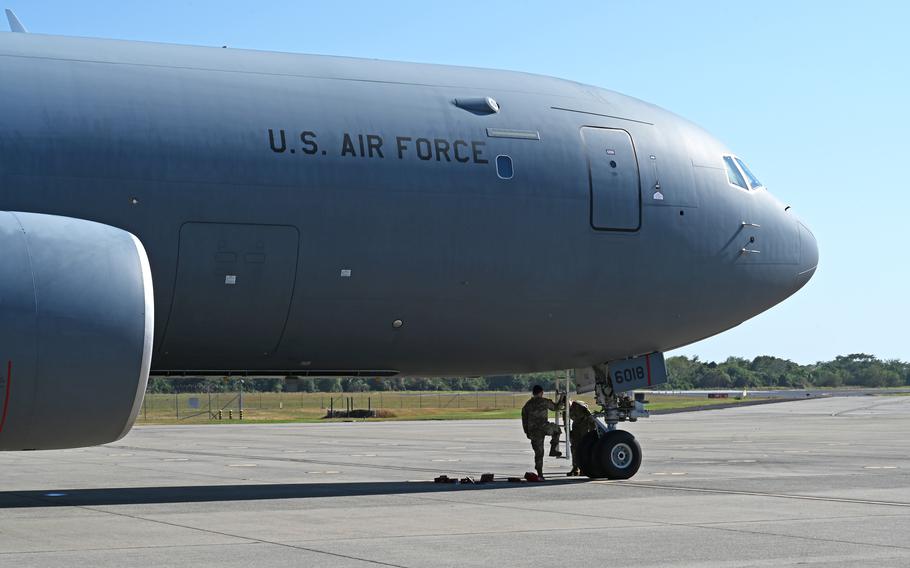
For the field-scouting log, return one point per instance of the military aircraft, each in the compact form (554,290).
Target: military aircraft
(313,215)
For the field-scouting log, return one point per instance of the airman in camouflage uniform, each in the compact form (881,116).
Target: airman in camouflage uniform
(582,423)
(535,419)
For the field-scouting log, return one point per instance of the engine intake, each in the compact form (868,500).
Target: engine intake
(76,325)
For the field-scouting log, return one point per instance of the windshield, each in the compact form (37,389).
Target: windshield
(753,181)
(733,175)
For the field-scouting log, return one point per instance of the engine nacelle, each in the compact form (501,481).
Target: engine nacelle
(76,324)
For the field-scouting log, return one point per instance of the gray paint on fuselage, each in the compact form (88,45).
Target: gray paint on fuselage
(487,274)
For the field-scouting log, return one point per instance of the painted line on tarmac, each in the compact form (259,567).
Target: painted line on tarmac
(867,407)
(762,494)
(301,460)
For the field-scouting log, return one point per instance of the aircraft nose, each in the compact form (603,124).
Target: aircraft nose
(808,256)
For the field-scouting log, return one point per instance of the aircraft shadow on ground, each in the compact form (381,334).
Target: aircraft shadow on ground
(212,493)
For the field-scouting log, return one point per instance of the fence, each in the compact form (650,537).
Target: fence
(205,407)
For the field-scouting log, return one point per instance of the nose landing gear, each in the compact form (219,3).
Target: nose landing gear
(613,455)
(607,452)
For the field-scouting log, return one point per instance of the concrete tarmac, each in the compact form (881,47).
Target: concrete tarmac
(822,482)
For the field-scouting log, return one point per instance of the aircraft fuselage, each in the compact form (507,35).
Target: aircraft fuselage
(308,214)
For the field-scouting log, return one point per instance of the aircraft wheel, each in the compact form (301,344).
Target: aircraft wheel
(587,459)
(618,454)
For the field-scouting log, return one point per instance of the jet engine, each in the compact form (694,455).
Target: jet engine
(76,324)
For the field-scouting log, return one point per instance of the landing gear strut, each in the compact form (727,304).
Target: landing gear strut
(607,452)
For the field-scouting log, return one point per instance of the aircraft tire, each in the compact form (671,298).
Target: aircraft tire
(618,454)
(587,461)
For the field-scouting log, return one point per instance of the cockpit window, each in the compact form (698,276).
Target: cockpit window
(753,181)
(733,175)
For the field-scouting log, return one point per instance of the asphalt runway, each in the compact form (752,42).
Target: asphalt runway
(823,482)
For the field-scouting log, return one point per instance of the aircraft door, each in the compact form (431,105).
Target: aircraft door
(613,178)
(232,294)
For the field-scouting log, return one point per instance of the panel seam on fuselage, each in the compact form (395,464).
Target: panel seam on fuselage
(600,114)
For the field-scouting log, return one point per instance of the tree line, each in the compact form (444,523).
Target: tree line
(856,370)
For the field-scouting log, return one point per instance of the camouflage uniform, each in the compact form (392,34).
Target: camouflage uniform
(582,423)
(535,419)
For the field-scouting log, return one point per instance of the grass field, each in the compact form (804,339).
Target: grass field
(202,408)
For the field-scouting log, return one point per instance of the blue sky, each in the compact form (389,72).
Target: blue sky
(813,95)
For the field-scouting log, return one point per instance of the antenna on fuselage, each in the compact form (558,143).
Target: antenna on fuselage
(14,24)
